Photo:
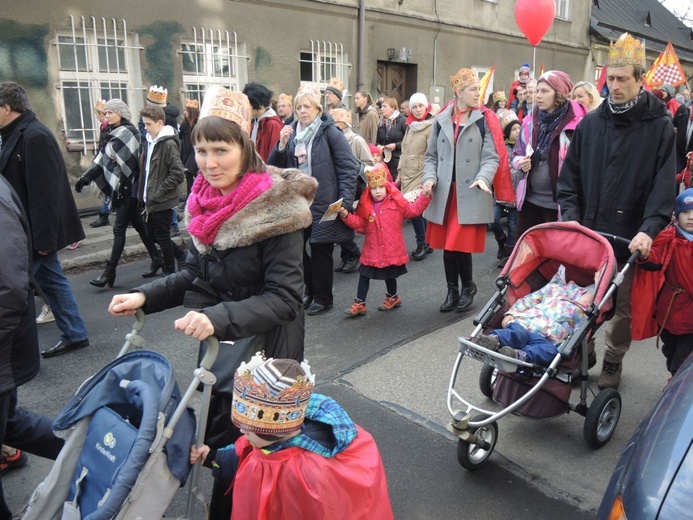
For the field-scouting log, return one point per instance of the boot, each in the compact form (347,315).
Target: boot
(610,376)
(453,295)
(501,247)
(421,251)
(107,277)
(157,263)
(466,296)
(100,222)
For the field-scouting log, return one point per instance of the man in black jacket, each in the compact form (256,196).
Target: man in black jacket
(19,353)
(31,161)
(618,177)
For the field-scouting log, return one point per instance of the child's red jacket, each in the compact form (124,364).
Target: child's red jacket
(653,299)
(384,245)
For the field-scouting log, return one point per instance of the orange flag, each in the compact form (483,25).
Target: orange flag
(486,84)
(541,70)
(666,69)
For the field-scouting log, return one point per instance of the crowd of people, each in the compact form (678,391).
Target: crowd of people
(273,183)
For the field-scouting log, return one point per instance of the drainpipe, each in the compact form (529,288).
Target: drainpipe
(361,44)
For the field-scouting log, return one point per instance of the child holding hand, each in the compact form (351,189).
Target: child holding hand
(380,213)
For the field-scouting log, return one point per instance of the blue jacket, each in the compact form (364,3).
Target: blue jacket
(334,166)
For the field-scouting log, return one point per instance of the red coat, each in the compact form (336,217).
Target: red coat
(653,290)
(267,135)
(295,484)
(384,245)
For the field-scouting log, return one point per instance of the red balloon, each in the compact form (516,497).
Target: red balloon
(534,18)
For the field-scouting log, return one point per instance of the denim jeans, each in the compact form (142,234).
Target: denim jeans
(419,225)
(497,228)
(49,275)
(539,349)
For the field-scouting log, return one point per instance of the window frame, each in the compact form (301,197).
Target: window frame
(317,54)
(564,13)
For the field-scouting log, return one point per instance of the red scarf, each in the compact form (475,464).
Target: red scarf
(209,208)
(411,117)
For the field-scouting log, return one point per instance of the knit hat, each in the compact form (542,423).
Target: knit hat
(499,96)
(669,89)
(418,98)
(118,106)
(231,105)
(157,96)
(684,202)
(270,396)
(463,78)
(524,70)
(336,86)
(557,80)
(374,150)
(341,115)
(376,176)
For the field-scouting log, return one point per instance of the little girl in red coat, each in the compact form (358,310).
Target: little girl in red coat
(379,216)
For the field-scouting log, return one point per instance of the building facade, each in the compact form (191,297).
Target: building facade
(71,53)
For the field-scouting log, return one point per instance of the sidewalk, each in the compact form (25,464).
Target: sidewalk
(96,247)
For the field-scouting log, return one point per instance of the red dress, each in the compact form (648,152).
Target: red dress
(453,236)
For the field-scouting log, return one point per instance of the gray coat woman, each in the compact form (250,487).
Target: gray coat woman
(462,174)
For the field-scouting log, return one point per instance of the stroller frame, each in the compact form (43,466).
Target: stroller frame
(476,427)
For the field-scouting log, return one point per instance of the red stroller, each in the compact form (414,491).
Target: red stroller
(528,389)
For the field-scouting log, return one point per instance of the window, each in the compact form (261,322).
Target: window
(563,9)
(98,59)
(212,58)
(322,62)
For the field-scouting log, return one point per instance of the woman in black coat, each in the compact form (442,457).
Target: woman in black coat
(243,276)
(316,146)
(187,150)
(391,134)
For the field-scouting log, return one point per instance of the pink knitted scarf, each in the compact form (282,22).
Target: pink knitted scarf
(209,208)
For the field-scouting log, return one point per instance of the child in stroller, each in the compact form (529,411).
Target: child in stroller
(537,323)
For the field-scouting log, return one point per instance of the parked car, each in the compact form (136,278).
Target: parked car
(654,476)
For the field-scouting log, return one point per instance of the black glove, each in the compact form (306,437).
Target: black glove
(81,183)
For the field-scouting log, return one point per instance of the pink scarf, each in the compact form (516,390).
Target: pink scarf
(209,209)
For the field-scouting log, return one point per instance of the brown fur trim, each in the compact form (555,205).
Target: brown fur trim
(284,208)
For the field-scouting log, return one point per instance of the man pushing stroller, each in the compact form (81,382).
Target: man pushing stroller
(536,324)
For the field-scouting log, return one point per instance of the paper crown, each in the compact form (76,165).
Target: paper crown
(99,105)
(336,83)
(499,96)
(506,117)
(341,115)
(463,78)
(309,90)
(271,396)
(192,103)
(626,51)
(376,176)
(157,96)
(285,99)
(231,105)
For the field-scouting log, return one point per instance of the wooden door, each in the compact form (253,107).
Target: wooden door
(392,80)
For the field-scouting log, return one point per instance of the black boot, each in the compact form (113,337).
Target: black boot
(107,277)
(157,263)
(501,247)
(451,278)
(466,296)
(421,251)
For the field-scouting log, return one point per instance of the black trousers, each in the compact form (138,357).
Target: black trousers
(318,271)
(26,431)
(532,215)
(676,348)
(349,250)
(129,214)
(159,230)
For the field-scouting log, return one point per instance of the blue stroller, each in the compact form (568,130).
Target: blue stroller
(128,433)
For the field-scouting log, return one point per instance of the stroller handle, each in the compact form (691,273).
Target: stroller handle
(211,354)
(614,239)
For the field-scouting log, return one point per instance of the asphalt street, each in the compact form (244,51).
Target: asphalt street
(390,372)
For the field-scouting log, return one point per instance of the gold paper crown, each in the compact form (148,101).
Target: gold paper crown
(265,401)
(463,78)
(341,115)
(192,103)
(99,105)
(307,89)
(231,105)
(626,51)
(157,96)
(285,99)
(376,176)
(336,83)
(499,96)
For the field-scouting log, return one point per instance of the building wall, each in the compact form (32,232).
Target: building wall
(273,32)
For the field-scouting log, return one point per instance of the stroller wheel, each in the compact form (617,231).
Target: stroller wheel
(602,418)
(487,380)
(471,456)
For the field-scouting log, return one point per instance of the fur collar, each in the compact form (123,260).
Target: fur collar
(284,208)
